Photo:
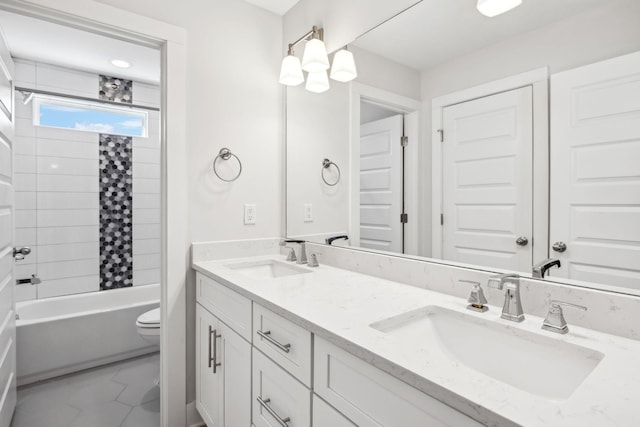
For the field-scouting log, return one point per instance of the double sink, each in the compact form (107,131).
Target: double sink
(532,362)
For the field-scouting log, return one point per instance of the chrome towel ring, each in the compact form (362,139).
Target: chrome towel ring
(226,154)
(326,164)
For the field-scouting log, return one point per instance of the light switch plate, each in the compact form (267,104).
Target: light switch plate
(249,214)
(308,212)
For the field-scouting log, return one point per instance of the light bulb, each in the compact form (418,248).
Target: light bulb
(315,58)
(493,8)
(344,67)
(291,72)
(317,82)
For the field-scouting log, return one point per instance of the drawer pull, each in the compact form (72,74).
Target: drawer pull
(212,359)
(266,335)
(264,403)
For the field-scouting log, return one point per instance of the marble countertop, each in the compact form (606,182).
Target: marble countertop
(339,305)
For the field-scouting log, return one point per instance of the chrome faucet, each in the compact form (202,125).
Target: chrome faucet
(476,298)
(541,268)
(330,240)
(512,308)
(302,259)
(555,321)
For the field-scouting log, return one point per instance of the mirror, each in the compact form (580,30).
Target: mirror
(490,142)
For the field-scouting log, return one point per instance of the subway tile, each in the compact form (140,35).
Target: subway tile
(24,182)
(145,186)
(57,148)
(60,200)
(67,183)
(146,170)
(25,200)
(64,269)
(67,217)
(60,235)
(146,246)
(30,259)
(68,252)
(24,164)
(24,127)
(146,155)
(146,201)
(146,94)
(26,292)
(70,135)
(146,231)
(67,166)
(25,219)
(26,236)
(68,286)
(146,277)
(146,262)
(24,271)
(25,73)
(146,216)
(22,110)
(25,145)
(152,141)
(66,80)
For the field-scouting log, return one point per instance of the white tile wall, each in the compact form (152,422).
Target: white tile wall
(57,190)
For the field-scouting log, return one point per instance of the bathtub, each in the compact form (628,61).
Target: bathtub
(60,335)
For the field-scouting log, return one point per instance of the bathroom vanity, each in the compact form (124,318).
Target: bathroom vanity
(280,344)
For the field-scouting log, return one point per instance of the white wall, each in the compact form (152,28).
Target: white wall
(598,34)
(235,101)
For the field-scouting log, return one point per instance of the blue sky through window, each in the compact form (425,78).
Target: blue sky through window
(91,120)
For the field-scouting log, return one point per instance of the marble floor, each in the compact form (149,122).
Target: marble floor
(121,394)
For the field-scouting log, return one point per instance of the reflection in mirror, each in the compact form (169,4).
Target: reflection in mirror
(492,142)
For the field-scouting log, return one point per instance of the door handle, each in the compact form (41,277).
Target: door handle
(214,360)
(559,246)
(522,241)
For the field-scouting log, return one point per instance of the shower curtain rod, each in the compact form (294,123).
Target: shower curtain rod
(26,92)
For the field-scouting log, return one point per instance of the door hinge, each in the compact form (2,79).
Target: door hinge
(404,141)
(441,219)
(441,132)
(404,218)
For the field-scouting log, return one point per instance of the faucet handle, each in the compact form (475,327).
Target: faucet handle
(555,321)
(313,261)
(499,280)
(292,255)
(476,298)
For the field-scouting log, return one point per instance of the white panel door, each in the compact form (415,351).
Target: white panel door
(7,278)
(595,171)
(234,355)
(208,383)
(381,184)
(487,192)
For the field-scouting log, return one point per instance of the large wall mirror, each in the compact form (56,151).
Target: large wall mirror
(490,142)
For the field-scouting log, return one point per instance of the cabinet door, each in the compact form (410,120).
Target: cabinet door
(234,354)
(208,382)
(325,415)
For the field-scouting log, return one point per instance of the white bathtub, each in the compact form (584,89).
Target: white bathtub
(57,336)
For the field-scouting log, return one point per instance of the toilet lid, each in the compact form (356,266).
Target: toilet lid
(150,318)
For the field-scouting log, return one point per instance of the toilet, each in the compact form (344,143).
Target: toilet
(148,325)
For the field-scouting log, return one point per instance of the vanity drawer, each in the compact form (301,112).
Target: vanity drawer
(229,306)
(281,395)
(286,343)
(371,397)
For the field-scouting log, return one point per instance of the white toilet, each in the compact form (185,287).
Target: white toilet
(148,325)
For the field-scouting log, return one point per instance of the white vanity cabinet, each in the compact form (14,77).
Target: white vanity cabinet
(283,375)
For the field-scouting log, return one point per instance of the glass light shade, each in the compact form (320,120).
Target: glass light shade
(291,72)
(493,8)
(344,67)
(315,58)
(317,82)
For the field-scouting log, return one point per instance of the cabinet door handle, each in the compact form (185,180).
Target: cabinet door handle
(213,359)
(282,421)
(266,335)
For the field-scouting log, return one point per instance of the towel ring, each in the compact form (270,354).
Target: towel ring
(226,154)
(326,164)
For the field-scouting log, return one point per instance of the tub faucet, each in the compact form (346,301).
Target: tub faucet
(512,308)
(541,268)
(302,259)
(330,240)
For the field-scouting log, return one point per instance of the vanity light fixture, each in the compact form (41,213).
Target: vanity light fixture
(315,61)
(493,8)
(344,66)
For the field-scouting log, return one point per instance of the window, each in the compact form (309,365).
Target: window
(89,116)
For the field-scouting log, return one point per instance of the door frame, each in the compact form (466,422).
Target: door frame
(412,110)
(110,21)
(538,79)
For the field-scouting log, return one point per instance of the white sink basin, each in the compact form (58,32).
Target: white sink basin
(267,269)
(532,362)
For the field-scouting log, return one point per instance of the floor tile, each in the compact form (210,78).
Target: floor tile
(63,416)
(110,414)
(141,374)
(147,415)
(93,394)
(137,394)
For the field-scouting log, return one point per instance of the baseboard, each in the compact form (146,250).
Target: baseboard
(193,417)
